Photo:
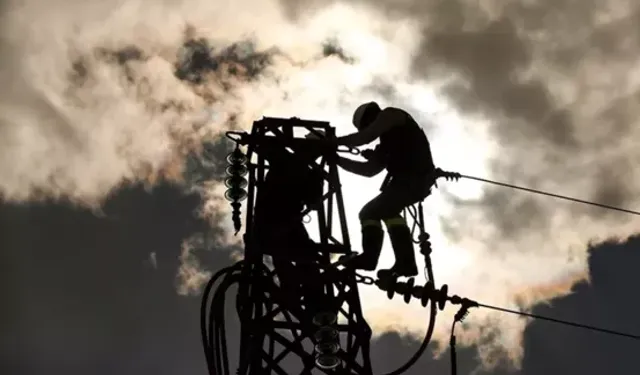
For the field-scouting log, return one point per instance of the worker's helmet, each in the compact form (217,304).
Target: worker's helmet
(365,114)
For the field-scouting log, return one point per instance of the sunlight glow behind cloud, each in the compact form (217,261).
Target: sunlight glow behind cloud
(504,90)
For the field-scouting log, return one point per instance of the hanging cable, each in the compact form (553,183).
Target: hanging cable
(204,314)
(459,317)
(413,211)
(418,222)
(464,310)
(452,348)
(212,322)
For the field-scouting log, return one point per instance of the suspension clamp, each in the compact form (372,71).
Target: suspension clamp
(449,176)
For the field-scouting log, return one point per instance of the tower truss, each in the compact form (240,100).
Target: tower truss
(299,309)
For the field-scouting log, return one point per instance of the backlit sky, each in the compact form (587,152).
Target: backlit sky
(539,93)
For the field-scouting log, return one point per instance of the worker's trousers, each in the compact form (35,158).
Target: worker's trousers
(387,207)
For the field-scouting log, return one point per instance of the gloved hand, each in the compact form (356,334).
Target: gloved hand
(367,154)
(312,135)
(329,142)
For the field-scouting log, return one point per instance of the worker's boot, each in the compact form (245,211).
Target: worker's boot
(402,243)
(372,239)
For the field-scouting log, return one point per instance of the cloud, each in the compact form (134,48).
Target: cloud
(90,115)
(544,94)
(95,104)
(599,304)
(104,297)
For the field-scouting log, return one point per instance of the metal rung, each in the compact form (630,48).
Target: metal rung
(332,249)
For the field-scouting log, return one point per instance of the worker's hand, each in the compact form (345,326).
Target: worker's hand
(331,143)
(368,154)
(312,135)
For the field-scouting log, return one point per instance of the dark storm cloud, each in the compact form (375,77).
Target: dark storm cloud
(528,122)
(210,164)
(512,216)
(606,302)
(489,60)
(199,58)
(82,297)
(586,34)
(81,68)
(612,188)
(618,118)
(197,62)
(332,47)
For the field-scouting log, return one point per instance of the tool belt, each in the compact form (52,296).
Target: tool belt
(430,177)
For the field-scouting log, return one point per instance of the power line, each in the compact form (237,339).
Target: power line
(550,194)
(455,175)
(565,322)
(535,191)
(429,294)
(569,323)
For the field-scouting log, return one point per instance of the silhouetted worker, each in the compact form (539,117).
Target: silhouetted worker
(405,152)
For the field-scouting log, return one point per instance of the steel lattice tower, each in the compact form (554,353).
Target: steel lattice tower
(294,300)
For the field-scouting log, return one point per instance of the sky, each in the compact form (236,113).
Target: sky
(81,297)
(96,113)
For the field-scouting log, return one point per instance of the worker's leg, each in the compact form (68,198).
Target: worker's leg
(387,204)
(394,199)
(372,235)
(372,240)
(401,241)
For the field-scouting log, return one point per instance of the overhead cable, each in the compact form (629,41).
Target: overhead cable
(535,191)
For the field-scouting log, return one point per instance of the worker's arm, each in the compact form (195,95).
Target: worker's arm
(368,169)
(386,120)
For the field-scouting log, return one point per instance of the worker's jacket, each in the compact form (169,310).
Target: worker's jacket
(406,154)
